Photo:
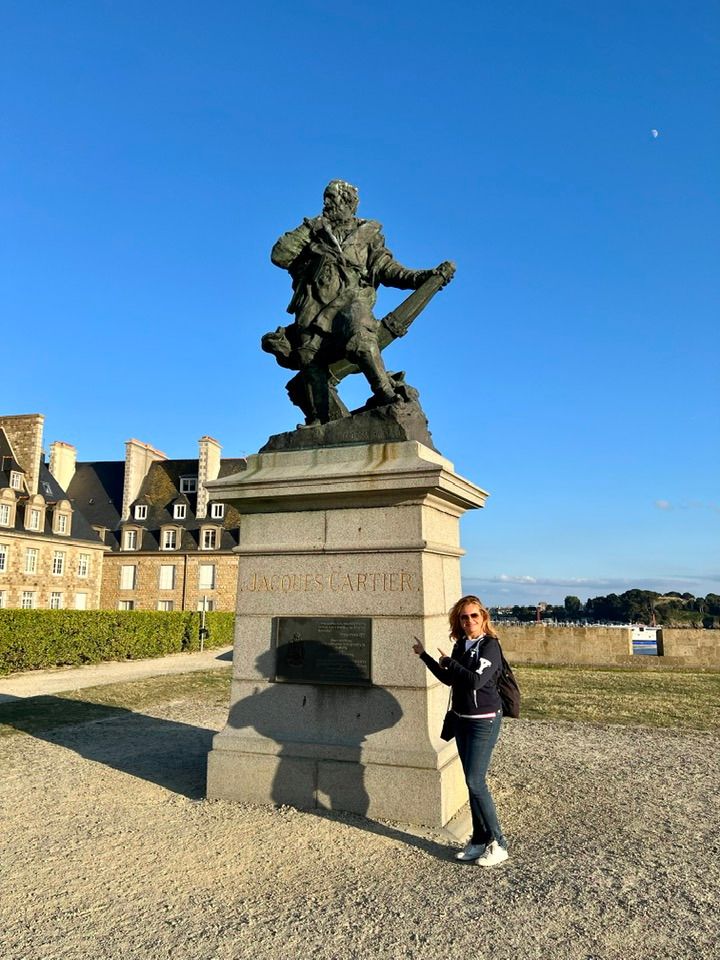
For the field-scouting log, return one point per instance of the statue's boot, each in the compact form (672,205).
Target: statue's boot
(318,395)
(367,357)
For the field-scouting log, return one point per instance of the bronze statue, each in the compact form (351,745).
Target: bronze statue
(337,261)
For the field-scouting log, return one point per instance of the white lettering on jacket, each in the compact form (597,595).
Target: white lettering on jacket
(484,664)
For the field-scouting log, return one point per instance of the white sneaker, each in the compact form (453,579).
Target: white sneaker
(471,851)
(493,855)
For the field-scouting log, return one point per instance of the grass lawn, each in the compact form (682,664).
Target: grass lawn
(682,700)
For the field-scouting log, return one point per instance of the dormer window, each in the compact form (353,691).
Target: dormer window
(217,511)
(209,538)
(179,511)
(7,508)
(35,513)
(16,480)
(62,517)
(130,539)
(188,484)
(141,511)
(169,538)
(46,488)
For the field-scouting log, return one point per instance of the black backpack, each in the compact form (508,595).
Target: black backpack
(508,689)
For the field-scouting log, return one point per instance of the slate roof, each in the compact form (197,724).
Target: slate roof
(97,490)
(80,528)
(7,460)
(50,489)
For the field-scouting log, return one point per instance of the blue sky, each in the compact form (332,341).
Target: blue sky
(151,153)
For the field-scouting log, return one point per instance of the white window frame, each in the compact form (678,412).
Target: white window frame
(209,534)
(141,511)
(207,605)
(169,538)
(126,604)
(34,518)
(83,567)
(61,523)
(207,581)
(16,480)
(4,554)
(32,556)
(128,580)
(27,600)
(188,484)
(81,604)
(5,514)
(56,600)
(58,563)
(165,605)
(2,599)
(179,511)
(130,539)
(217,511)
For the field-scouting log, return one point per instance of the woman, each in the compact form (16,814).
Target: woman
(472,670)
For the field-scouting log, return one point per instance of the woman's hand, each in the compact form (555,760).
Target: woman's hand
(418,648)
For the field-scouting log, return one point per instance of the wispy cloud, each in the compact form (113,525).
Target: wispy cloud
(522,589)
(688,505)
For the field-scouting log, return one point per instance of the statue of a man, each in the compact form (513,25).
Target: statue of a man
(337,261)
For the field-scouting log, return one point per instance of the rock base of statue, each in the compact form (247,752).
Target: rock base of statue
(346,554)
(390,423)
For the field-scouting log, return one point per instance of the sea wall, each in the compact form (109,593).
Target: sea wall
(606,646)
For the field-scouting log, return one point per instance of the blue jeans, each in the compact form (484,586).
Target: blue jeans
(475,742)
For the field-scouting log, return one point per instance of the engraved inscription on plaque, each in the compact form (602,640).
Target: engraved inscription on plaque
(323,649)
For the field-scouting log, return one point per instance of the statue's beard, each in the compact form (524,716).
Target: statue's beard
(338,215)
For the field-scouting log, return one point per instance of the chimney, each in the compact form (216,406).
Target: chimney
(62,462)
(25,433)
(208,469)
(138,459)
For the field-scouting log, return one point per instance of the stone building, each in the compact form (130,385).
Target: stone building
(168,545)
(50,556)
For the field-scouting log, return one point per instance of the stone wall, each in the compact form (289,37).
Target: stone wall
(82,571)
(186,592)
(699,648)
(25,433)
(606,646)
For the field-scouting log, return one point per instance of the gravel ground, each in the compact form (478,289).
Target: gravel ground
(110,851)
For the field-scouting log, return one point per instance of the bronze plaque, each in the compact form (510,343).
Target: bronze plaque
(323,649)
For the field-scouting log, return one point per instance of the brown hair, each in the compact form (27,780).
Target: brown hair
(457,631)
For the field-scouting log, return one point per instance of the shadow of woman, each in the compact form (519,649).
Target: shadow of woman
(165,752)
(321,728)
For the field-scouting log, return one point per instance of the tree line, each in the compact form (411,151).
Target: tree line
(633,606)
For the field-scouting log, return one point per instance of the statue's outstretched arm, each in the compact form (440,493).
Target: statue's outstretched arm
(391,273)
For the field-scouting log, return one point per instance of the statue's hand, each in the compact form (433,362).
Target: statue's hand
(445,270)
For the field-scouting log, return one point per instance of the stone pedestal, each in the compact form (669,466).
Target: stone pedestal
(366,531)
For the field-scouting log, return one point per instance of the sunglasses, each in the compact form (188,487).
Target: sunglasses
(469,616)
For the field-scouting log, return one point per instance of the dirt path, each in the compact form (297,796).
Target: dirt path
(109,851)
(36,683)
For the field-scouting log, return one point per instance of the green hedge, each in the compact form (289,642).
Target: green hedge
(34,639)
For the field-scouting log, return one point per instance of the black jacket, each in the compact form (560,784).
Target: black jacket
(473,675)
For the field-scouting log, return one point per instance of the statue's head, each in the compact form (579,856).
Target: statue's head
(340,200)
